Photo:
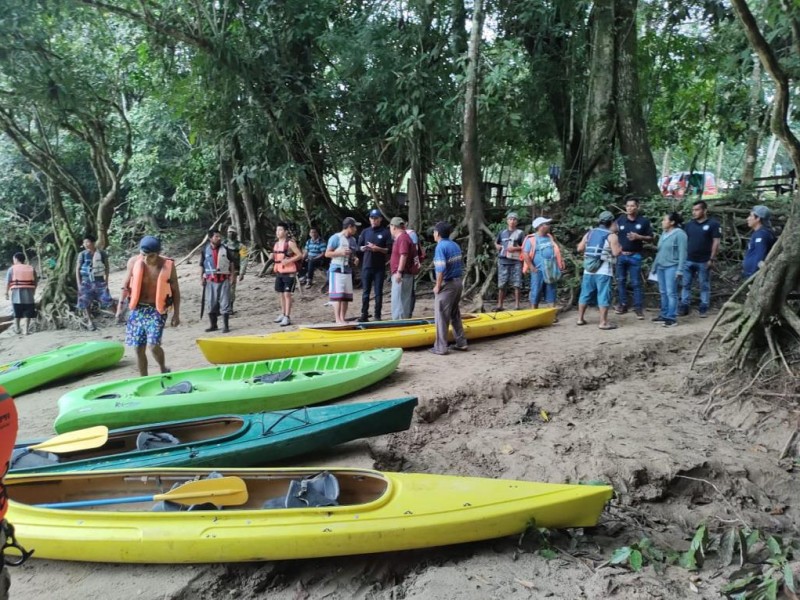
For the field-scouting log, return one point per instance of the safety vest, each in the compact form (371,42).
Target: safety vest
(596,242)
(280,251)
(163,287)
(532,253)
(22,278)
(8,435)
(92,265)
(222,268)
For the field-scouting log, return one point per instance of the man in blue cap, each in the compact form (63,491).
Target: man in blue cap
(373,243)
(761,242)
(151,286)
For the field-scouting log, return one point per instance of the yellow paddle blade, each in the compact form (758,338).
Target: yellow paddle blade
(223,491)
(82,439)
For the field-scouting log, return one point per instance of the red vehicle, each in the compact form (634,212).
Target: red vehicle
(684,183)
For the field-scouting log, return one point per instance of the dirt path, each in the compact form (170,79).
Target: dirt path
(618,412)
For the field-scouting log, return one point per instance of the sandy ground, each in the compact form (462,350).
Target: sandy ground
(619,412)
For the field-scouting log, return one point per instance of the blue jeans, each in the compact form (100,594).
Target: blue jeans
(703,276)
(538,285)
(372,280)
(668,290)
(630,264)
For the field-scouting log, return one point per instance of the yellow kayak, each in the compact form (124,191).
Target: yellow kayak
(410,333)
(279,513)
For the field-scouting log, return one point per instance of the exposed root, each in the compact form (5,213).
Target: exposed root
(710,408)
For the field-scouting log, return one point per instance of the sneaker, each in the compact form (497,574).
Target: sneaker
(620,309)
(285,321)
(278,319)
(363,319)
(683,310)
(459,348)
(639,314)
(669,323)
(658,319)
(702,313)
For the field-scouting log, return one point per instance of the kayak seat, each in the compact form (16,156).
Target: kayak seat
(273,377)
(320,490)
(148,440)
(25,458)
(184,387)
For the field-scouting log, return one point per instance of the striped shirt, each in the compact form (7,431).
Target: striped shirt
(316,247)
(447,259)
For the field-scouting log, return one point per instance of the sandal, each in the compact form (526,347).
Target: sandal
(607,327)
(581,322)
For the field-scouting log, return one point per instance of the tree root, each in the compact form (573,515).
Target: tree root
(710,408)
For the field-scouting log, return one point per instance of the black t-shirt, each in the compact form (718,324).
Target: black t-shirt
(640,225)
(380,237)
(701,237)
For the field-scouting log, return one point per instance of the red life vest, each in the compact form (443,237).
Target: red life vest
(8,436)
(163,288)
(279,252)
(22,277)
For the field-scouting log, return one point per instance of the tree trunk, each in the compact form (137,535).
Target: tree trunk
(720,156)
(416,191)
(637,156)
(665,163)
(600,114)
(769,160)
(470,155)
(227,183)
(753,129)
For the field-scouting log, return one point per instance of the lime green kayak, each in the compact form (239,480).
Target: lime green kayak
(242,388)
(35,371)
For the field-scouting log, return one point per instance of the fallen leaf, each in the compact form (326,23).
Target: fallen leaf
(694,588)
(525,583)
(544,416)
(507,449)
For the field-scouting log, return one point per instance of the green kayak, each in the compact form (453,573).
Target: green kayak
(250,440)
(241,388)
(35,371)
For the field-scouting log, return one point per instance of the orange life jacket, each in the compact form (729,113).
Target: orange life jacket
(532,238)
(22,277)
(8,435)
(279,252)
(163,288)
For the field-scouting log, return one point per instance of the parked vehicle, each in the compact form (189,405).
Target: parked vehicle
(679,185)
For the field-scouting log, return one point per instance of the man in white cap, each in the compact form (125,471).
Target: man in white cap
(761,241)
(509,265)
(542,259)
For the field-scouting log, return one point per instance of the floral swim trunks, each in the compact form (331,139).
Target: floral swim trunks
(145,326)
(91,291)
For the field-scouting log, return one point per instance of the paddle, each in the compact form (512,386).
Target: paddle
(223,491)
(82,439)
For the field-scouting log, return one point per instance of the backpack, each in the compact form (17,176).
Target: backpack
(593,257)
(416,262)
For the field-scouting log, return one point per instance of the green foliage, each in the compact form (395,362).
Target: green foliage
(643,553)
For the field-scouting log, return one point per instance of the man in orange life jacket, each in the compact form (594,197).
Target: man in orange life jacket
(151,283)
(8,435)
(287,257)
(218,270)
(20,288)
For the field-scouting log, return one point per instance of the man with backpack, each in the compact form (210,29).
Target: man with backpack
(217,270)
(599,246)
(91,275)
(401,266)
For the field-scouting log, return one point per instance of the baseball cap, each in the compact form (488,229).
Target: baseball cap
(374,213)
(762,212)
(512,215)
(397,222)
(150,244)
(539,221)
(348,221)
(605,217)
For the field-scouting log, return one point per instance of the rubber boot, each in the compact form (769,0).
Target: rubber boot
(225,328)
(212,318)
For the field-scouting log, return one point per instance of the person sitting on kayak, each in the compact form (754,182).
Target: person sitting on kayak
(151,283)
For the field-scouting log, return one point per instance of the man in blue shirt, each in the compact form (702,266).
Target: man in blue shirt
(761,241)
(313,255)
(703,244)
(634,231)
(449,268)
(374,245)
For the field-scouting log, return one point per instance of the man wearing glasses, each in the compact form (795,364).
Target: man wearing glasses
(151,286)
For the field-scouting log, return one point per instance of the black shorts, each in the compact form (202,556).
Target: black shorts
(24,311)
(285,283)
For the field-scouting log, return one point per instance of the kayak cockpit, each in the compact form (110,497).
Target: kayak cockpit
(264,490)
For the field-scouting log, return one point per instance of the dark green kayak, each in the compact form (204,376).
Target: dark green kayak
(239,388)
(229,441)
(29,373)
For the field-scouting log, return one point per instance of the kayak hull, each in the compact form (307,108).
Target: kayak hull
(378,512)
(221,390)
(350,338)
(232,441)
(40,369)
